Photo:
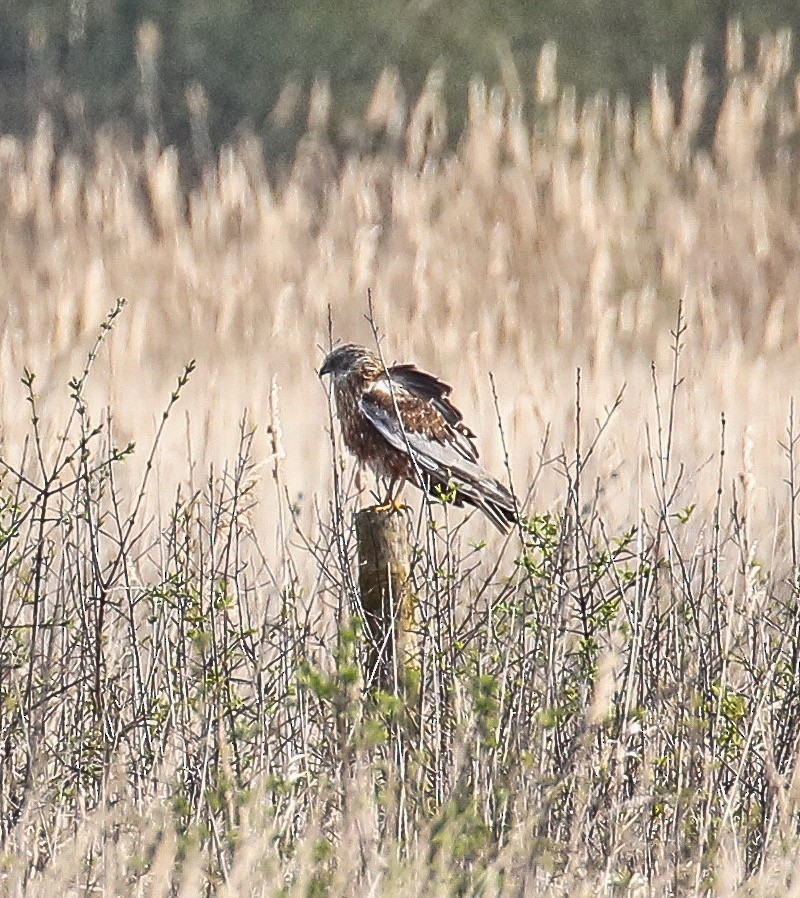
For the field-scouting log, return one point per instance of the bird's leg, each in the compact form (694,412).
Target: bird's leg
(392,503)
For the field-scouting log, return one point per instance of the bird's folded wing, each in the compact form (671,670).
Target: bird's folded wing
(443,458)
(430,388)
(409,384)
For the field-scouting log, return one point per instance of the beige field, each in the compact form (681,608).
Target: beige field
(540,253)
(528,254)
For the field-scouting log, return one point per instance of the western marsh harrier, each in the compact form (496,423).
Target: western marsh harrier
(400,422)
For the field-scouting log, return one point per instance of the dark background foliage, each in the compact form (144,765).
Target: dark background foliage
(78,58)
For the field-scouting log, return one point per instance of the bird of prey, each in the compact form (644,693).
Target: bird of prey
(400,422)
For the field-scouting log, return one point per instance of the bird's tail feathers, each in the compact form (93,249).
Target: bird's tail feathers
(490,496)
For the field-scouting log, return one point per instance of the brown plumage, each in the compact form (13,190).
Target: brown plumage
(427,444)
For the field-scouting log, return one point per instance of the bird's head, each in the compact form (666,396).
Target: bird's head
(345,360)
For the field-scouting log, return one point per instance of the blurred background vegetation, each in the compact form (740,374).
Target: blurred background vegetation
(148,64)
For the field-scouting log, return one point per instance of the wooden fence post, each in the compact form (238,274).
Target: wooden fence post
(384,583)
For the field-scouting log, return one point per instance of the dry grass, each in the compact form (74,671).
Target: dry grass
(610,706)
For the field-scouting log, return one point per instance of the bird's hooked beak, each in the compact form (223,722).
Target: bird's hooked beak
(325,369)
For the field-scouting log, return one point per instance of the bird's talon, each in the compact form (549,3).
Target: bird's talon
(392,505)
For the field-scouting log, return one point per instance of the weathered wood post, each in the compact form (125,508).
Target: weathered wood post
(385,585)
